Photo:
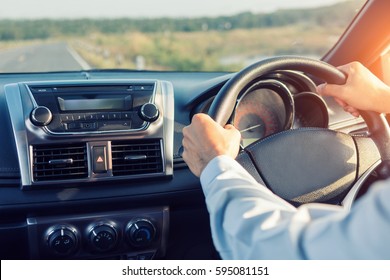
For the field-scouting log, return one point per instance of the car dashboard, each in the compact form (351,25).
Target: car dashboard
(90,162)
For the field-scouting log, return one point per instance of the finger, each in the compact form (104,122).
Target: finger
(340,102)
(184,155)
(187,131)
(329,90)
(320,88)
(184,131)
(350,67)
(355,114)
(201,118)
(184,142)
(353,111)
(230,127)
(346,69)
(189,144)
(350,109)
(233,130)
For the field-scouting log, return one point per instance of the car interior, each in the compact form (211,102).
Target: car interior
(91,165)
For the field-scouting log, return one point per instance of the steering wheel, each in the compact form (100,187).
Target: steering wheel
(307,164)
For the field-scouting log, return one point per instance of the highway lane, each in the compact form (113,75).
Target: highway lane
(41,58)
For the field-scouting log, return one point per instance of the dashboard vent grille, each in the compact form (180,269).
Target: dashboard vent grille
(60,162)
(136,157)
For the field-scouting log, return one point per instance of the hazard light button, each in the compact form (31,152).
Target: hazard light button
(99,159)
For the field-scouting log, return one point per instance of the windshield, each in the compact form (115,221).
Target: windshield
(174,35)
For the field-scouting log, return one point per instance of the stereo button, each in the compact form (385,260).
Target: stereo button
(66,118)
(114,116)
(125,115)
(78,117)
(90,117)
(102,116)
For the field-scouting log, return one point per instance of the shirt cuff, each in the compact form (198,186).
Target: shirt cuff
(216,167)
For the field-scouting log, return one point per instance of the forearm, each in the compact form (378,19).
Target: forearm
(382,100)
(250,222)
(247,220)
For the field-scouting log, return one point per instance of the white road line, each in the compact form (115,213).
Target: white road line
(84,65)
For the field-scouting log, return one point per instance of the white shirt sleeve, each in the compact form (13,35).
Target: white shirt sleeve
(249,222)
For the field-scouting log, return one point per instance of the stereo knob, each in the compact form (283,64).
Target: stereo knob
(141,232)
(41,116)
(103,237)
(62,240)
(149,112)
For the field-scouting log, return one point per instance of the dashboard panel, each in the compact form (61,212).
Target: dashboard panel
(94,217)
(64,218)
(278,102)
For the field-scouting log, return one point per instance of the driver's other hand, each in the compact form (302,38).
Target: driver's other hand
(204,139)
(362,90)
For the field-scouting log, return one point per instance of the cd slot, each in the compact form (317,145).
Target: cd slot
(101,121)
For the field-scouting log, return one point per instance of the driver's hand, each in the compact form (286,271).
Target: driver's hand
(205,139)
(362,91)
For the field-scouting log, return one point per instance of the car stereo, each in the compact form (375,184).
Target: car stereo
(87,108)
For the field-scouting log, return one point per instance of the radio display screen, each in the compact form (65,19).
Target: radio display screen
(100,102)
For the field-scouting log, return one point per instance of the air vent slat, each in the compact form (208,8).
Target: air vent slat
(63,176)
(135,160)
(70,149)
(74,161)
(136,152)
(136,149)
(137,165)
(151,161)
(47,165)
(64,170)
(75,155)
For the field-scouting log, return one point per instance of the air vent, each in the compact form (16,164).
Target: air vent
(136,157)
(60,162)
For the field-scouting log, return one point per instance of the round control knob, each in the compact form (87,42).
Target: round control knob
(103,237)
(141,232)
(62,240)
(149,112)
(41,116)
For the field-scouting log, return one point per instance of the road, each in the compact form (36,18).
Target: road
(41,58)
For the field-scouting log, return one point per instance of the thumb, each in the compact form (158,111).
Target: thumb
(328,90)
(233,130)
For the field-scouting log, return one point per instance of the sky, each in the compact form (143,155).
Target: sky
(32,9)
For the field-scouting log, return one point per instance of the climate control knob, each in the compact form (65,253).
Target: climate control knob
(103,237)
(140,232)
(41,116)
(149,112)
(62,240)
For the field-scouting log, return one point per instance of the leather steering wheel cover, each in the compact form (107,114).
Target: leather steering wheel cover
(223,104)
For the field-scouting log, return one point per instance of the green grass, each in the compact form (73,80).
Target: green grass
(196,51)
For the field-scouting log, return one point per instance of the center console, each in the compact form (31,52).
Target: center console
(82,134)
